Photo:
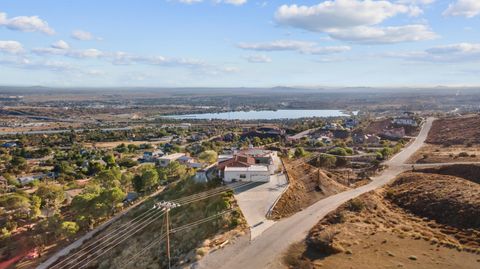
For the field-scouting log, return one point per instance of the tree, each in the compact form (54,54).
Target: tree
(109,159)
(175,170)
(208,156)
(126,180)
(52,197)
(109,178)
(127,162)
(17,203)
(146,179)
(300,152)
(386,152)
(257,141)
(19,164)
(68,229)
(111,198)
(36,202)
(338,151)
(326,160)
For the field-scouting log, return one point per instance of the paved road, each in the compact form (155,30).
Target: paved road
(267,249)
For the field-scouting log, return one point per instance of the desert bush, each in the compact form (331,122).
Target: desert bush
(463,154)
(355,205)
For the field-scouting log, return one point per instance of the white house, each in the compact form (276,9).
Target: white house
(405,121)
(258,173)
(167,159)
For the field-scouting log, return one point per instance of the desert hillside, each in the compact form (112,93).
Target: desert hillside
(455,131)
(308,184)
(419,221)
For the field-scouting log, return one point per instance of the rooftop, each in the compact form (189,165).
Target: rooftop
(252,168)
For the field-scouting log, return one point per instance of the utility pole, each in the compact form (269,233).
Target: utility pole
(168,206)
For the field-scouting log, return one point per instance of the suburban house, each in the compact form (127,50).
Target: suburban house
(258,173)
(393,133)
(167,159)
(189,161)
(248,165)
(263,132)
(361,138)
(341,134)
(351,123)
(25,180)
(149,156)
(10,144)
(405,121)
(202,175)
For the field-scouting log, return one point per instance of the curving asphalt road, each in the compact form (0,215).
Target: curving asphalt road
(267,249)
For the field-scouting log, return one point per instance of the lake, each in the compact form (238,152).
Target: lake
(265,114)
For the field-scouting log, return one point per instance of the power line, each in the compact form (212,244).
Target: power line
(107,243)
(130,225)
(160,239)
(119,242)
(120,228)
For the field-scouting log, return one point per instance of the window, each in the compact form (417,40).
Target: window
(243,176)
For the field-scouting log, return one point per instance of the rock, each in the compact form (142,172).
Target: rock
(348,251)
(413,257)
(390,254)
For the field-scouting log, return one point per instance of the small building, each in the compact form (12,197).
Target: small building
(341,134)
(149,156)
(167,159)
(361,138)
(10,144)
(25,180)
(130,198)
(257,173)
(351,123)
(189,161)
(393,133)
(405,121)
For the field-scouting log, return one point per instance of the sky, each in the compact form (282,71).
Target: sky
(240,43)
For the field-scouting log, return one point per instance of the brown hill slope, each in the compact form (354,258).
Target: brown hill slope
(466,171)
(455,131)
(308,184)
(445,199)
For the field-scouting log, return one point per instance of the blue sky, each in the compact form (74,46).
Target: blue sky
(223,43)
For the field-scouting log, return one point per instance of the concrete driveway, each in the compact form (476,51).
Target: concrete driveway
(255,201)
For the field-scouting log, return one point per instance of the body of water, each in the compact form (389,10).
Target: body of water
(264,114)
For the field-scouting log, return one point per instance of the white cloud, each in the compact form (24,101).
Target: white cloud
(460,52)
(82,54)
(293,45)
(337,14)
(190,1)
(83,35)
(230,2)
(465,8)
(235,2)
(259,58)
(384,35)
(60,44)
(357,21)
(416,2)
(12,47)
(26,24)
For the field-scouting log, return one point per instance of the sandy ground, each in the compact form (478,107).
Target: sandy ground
(431,153)
(383,250)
